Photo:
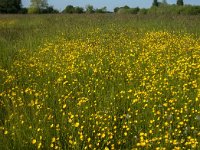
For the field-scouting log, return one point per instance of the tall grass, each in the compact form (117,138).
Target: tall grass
(28,31)
(99,82)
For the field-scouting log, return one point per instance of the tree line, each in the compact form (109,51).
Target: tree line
(42,6)
(10,6)
(157,3)
(15,6)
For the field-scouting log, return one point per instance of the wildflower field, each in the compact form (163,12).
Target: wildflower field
(99,82)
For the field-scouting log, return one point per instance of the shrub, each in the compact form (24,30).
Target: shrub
(90,9)
(101,10)
(123,11)
(33,10)
(23,11)
(8,10)
(79,10)
(116,9)
(190,10)
(134,10)
(143,11)
(69,9)
(180,2)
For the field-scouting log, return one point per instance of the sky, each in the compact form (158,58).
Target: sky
(110,4)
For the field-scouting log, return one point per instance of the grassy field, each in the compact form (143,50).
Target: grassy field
(99,82)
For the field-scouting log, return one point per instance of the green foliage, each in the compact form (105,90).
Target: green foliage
(127,10)
(116,9)
(23,11)
(126,7)
(101,10)
(50,9)
(10,6)
(155,3)
(180,2)
(90,9)
(38,6)
(41,7)
(71,9)
(134,10)
(174,9)
(143,11)
(33,10)
(123,11)
(190,10)
(79,10)
(164,2)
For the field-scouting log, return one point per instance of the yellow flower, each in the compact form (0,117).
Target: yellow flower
(52,145)
(76,124)
(5,132)
(143,144)
(34,141)
(70,141)
(64,106)
(89,139)
(106,148)
(81,137)
(125,133)
(150,131)
(53,139)
(39,145)
(51,125)
(103,135)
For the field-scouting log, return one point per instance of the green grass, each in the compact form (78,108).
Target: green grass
(99,81)
(28,31)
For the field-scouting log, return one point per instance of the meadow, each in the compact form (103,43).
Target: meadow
(101,82)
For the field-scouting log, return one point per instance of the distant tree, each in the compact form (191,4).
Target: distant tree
(126,7)
(37,6)
(143,11)
(79,10)
(180,2)
(134,10)
(101,10)
(69,9)
(18,4)
(116,9)
(49,10)
(128,10)
(164,2)
(90,9)
(23,11)
(10,6)
(155,3)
